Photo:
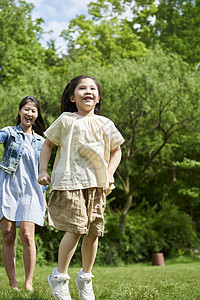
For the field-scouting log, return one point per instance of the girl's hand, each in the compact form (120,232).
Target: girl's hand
(110,178)
(44,178)
(115,158)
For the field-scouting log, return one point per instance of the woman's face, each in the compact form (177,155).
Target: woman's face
(28,114)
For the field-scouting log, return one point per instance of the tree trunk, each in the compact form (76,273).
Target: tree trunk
(129,201)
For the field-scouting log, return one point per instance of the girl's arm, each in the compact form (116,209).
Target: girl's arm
(115,158)
(45,155)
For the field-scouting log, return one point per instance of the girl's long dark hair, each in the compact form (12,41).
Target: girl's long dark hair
(38,126)
(67,105)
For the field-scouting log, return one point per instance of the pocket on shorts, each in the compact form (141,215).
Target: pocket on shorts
(99,201)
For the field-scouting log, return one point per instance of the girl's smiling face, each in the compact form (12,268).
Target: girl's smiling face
(28,115)
(86,96)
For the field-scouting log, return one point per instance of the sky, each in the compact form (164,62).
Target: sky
(57,15)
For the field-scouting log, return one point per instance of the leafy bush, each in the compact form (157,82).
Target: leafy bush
(175,230)
(147,230)
(50,238)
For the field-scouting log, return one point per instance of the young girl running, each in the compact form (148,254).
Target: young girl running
(86,160)
(22,202)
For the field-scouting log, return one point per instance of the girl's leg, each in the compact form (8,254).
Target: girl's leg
(27,232)
(83,280)
(59,283)
(8,229)
(66,250)
(89,251)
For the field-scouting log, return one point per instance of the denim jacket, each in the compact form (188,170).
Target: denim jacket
(13,139)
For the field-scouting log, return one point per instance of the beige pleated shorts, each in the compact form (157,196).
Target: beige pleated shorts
(78,211)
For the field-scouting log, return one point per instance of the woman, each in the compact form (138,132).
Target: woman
(22,203)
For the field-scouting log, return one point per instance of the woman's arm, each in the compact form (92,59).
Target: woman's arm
(45,155)
(115,158)
(3,135)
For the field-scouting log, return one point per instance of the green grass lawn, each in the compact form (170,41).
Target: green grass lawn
(176,280)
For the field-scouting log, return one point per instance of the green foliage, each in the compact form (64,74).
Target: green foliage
(153,98)
(153,102)
(50,239)
(177,23)
(104,41)
(23,67)
(148,230)
(175,230)
(187,164)
(19,46)
(186,187)
(174,25)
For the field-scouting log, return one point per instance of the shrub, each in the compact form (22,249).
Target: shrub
(147,230)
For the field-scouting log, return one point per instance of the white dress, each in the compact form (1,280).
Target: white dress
(21,196)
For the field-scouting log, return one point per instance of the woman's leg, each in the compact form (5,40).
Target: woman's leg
(89,252)
(27,232)
(67,248)
(8,229)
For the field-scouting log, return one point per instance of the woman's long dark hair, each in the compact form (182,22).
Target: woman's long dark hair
(67,105)
(38,126)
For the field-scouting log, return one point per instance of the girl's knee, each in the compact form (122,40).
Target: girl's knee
(72,235)
(91,237)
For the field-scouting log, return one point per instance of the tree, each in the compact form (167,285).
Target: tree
(102,39)
(19,35)
(178,28)
(152,102)
(174,25)
(26,68)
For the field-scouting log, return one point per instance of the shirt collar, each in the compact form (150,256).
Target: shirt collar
(35,135)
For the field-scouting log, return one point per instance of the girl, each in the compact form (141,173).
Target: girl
(82,174)
(21,199)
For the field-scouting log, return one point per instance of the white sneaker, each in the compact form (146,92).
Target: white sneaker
(59,286)
(84,286)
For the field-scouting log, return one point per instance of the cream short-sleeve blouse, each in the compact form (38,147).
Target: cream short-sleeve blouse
(83,154)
